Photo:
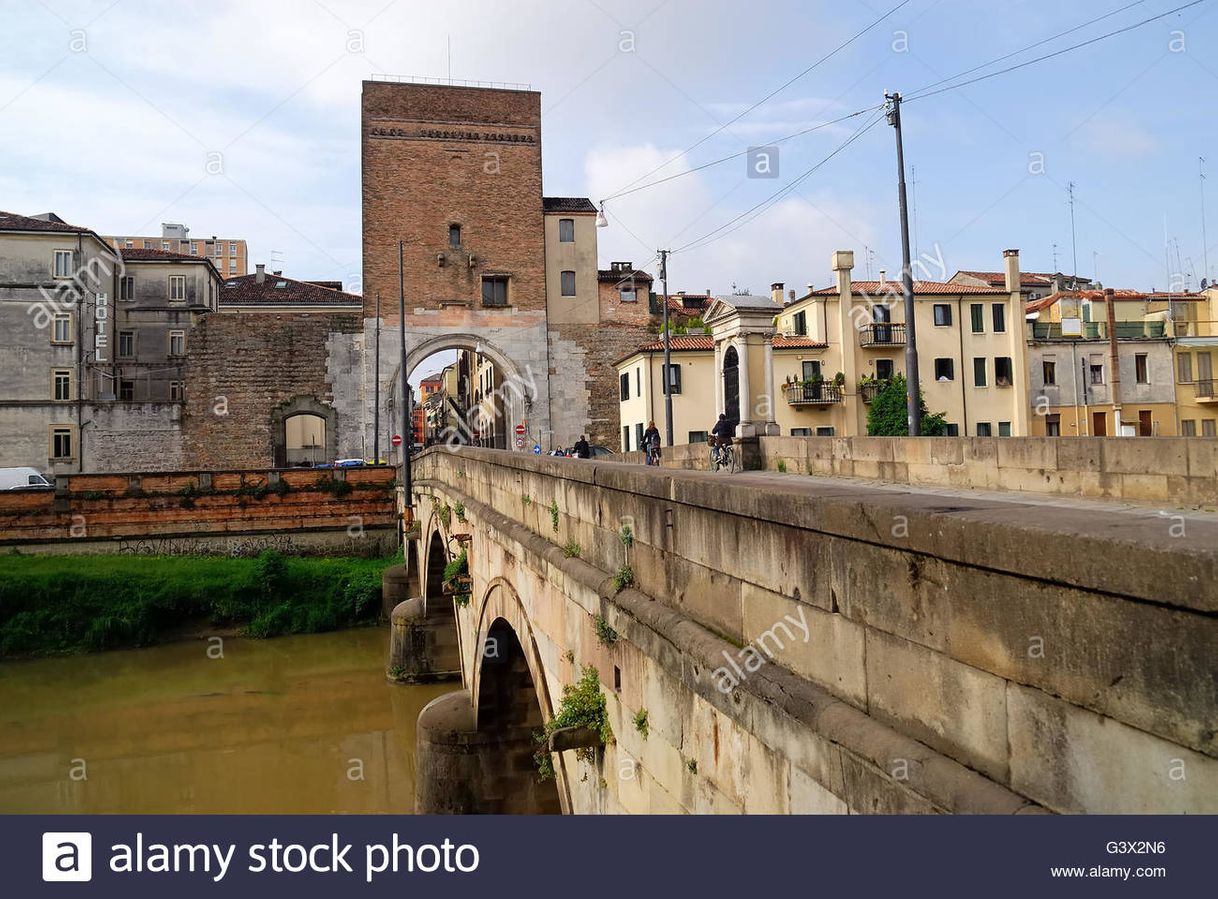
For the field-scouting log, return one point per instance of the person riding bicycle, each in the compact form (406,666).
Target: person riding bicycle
(721,435)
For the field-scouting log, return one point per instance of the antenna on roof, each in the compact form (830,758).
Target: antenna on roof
(1073,241)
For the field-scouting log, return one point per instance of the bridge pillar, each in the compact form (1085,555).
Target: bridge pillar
(421,650)
(461,770)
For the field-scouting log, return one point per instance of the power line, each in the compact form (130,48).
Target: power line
(930,93)
(737,155)
(763,100)
(924,91)
(1043,41)
(778,194)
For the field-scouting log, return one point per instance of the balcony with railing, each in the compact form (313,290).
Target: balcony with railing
(1206,390)
(813,393)
(882,334)
(869,389)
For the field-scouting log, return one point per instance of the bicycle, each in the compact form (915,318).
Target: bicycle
(722,457)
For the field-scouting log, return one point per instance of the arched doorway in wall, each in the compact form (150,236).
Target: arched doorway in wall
(509,710)
(304,432)
(304,439)
(731,384)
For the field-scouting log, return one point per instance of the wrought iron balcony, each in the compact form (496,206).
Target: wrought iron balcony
(816,393)
(870,389)
(882,334)
(1206,390)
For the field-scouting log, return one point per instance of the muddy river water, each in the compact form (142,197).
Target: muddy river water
(301,724)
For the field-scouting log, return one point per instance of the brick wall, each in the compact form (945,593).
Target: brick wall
(175,512)
(415,185)
(242,367)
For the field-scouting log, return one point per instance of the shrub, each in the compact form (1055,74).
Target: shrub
(583,705)
(459,508)
(604,633)
(640,722)
(782,465)
(572,550)
(624,578)
(626,535)
(554,514)
(888,416)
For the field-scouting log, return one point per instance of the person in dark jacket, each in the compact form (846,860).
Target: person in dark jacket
(581,450)
(651,443)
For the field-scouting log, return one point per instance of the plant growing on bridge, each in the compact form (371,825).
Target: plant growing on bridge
(459,508)
(554,514)
(888,417)
(691,766)
(626,535)
(782,465)
(640,722)
(526,499)
(606,634)
(583,705)
(624,578)
(456,578)
(445,513)
(571,550)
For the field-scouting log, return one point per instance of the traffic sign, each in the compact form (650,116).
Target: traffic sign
(536,449)
(520,429)
(519,443)
(397,439)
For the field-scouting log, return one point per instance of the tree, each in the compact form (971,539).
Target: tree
(889,417)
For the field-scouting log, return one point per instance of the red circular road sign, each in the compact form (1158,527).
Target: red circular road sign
(397,439)
(519,429)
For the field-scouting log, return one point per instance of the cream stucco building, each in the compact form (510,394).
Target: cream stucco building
(811,366)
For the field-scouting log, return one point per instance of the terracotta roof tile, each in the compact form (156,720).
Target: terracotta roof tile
(277,290)
(567,204)
(1097,296)
(924,288)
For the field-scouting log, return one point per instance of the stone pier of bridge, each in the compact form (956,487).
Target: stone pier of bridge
(777,643)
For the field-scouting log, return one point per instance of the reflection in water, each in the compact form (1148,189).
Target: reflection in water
(284,726)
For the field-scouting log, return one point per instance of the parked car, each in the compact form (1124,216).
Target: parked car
(350,463)
(600,451)
(23,478)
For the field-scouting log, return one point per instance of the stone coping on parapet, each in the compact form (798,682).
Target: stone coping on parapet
(1166,558)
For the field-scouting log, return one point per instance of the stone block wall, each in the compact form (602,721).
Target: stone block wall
(242,367)
(961,655)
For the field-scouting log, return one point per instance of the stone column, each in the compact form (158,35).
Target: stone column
(771,425)
(718,378)
(746,391)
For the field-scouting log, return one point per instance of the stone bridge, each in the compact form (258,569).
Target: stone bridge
(778,643)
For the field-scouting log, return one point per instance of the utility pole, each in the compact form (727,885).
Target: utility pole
(667,378)
(407,431)
(376,390)
(913,387)
(1205,248)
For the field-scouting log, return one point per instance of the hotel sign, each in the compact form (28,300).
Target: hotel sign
(462,134)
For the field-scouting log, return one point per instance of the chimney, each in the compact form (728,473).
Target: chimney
(1010,268)
(776,292)
(842,263)
(259,273)
(883,277)
(791,294)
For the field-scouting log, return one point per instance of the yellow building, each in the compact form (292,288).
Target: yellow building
(971,353)
(812,366)
(1196,352)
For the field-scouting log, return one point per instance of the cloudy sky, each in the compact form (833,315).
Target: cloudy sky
(242,119)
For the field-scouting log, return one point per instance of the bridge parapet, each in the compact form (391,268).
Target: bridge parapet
(804,646)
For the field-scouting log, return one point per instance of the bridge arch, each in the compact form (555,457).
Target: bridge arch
(511,697)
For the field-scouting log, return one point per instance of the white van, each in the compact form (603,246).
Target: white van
(23,479)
